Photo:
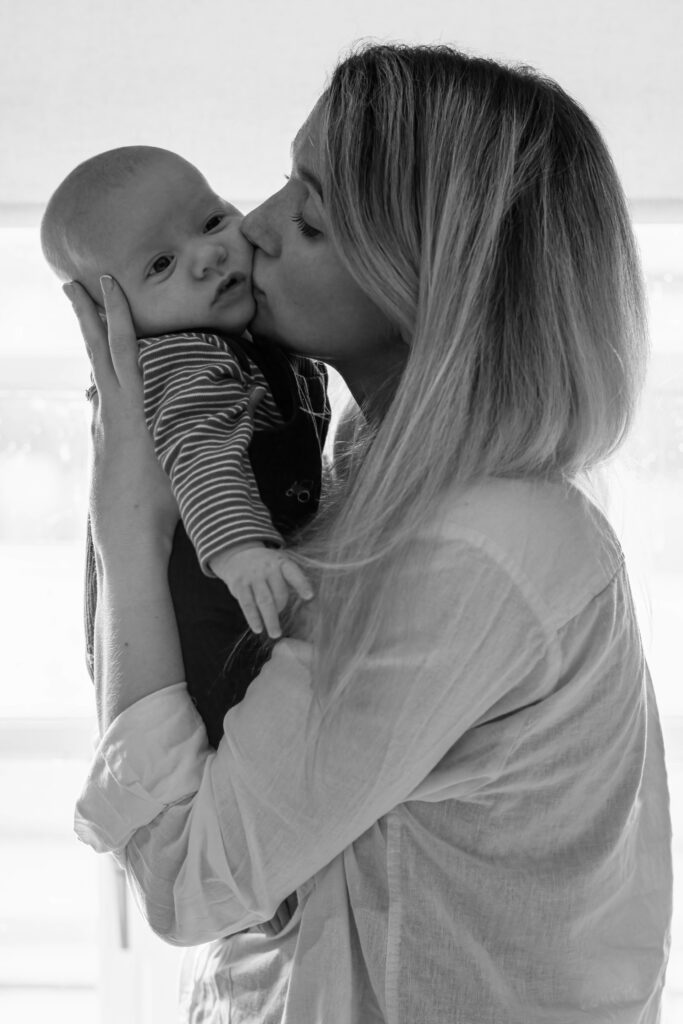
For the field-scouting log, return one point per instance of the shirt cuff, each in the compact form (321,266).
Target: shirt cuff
(152,755)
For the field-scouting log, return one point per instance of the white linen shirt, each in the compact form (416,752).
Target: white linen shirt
(482,835)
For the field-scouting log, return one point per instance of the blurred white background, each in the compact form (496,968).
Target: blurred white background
(227,85)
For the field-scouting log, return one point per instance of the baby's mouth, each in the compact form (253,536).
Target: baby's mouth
(228,283)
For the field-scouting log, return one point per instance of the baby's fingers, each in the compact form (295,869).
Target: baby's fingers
(278,588)
(266,606)
(246,601)
(296,579)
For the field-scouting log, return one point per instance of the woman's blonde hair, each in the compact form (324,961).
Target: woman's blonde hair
(478,206)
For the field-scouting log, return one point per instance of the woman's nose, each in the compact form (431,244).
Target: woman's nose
(261,226)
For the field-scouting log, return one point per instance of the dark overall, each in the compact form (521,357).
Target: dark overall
(220,653)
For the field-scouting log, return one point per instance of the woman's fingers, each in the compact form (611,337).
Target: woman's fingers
(112,347)
(94,333)
(122,340)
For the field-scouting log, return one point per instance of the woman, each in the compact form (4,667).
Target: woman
(453,768)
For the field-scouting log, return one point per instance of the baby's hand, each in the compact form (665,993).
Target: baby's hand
(257,577)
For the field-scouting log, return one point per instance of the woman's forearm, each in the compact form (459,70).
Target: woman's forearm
(137,648)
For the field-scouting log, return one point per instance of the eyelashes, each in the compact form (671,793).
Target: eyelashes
(163,262)
(218,217)
(305,228)
(156,269)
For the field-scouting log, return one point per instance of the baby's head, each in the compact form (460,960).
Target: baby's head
(148,217)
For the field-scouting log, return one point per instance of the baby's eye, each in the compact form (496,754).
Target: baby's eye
(161,264)
(215,221)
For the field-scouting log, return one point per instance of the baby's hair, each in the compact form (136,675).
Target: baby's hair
(68,225)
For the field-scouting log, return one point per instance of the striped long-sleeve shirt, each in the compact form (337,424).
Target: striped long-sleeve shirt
(196,395)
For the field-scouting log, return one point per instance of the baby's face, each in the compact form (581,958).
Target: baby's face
(176,249)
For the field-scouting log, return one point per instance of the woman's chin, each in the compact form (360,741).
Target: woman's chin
(263,326)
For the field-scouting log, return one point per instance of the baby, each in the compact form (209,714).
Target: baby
(246,476)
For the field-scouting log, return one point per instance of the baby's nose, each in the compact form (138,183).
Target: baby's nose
(210,255)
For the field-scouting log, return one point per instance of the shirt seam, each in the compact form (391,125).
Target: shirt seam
(550,626)
(394,918)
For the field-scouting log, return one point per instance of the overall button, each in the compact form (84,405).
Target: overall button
(302,490)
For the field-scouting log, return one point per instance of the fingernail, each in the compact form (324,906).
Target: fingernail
(107,283)
(308,594)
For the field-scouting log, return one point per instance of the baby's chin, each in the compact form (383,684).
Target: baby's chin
(233,320)
(236,327)
(145,329)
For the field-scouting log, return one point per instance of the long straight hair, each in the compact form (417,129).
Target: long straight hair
(478,206)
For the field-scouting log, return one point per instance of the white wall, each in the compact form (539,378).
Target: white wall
(227,83)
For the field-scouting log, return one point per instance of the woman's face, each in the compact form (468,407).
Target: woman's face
(306,300)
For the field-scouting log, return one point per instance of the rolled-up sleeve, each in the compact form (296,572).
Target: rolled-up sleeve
(152,755)
(214,841)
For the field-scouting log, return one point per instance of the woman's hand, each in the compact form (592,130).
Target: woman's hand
(130,499)
(133,516)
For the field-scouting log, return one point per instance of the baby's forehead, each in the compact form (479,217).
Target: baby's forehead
(161,176)
(153,201)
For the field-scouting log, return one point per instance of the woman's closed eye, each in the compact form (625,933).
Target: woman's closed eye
(304,228)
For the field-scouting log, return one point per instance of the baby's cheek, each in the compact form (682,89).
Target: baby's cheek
(158,314)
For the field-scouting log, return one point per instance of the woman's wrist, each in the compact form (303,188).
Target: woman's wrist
(135,572)
(137,648)
(136,578)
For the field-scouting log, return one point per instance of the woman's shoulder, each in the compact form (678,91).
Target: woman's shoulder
(548,535)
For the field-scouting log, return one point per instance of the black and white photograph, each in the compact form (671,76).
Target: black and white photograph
(341,512)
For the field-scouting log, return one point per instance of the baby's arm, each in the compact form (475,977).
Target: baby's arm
(200,415)
(258,578)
